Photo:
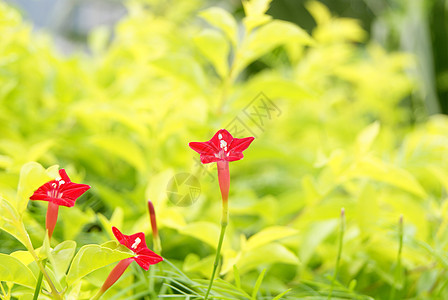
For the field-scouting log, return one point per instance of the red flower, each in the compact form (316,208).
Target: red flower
(60,191)
(137,244)
(222,147)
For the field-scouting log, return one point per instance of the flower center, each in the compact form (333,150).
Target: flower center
(222,143)
(136,243)
(55,193)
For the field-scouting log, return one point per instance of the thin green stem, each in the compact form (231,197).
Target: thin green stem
(39,282)
(30,248)
(224,221)
(3,291)
(398,264)
(338,259)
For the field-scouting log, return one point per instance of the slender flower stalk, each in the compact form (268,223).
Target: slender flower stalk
(143,257)
(222,148)
(338,259)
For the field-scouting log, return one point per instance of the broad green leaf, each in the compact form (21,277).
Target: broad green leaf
(61,256)
(266,255)
(223,20)
(215,48)
(256,44)
(319,11)
(376,169)
(11,222)
(204,231)
(24,256)
(12,269)
(366,137)
(193,263)
(268,235)
(32,176)
(255,13)
(313,236)
(122,148)
(92,257)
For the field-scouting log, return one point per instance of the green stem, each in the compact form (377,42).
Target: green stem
(338,259)
(39,282)
(398,265)
(30,248)
(224,221)
(3,291)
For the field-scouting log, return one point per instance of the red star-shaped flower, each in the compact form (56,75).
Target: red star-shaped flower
(222,147)
(60,191)
(137,244)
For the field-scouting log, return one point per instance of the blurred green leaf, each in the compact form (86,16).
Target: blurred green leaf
(11,269)
(223,20)
(92,257)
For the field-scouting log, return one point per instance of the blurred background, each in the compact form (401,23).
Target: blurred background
(419,27)
(345,100)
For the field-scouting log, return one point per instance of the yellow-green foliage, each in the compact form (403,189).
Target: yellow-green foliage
(340,134)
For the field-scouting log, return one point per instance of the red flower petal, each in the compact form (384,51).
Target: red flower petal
(239,145)
(61,192)
(136,243)
(221,147)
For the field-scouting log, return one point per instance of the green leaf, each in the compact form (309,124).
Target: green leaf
(122,148)
(319,12)
(61,256)
(265,255)
(215,48)
(223,20)
(92,257)
(204,231)
(366,138)
(32,176)
(268,235)
(279,296)
(258,284)
(374,168)
(11,222)
(12,269)
(267,38)
(255,13)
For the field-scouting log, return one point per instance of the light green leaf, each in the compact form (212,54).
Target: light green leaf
(24,256)
(258,284)
(374,168)
(11,222)
(204,231)
(12,269)
(366,137)
(266,255)
(319,11)
(61,256)
(317,232)
(92,257)
(32,176)
(279,296)
(223,20)
(257,45)
(268,235)
(215,48)
(255,13)
(122,148)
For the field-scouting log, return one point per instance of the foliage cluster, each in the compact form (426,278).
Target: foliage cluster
(333,127)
